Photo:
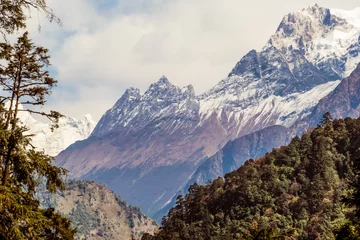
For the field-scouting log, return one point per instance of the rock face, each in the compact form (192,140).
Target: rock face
(151,146)
(99,213)
(343,101)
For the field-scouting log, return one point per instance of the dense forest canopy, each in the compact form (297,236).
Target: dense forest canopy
(297,191)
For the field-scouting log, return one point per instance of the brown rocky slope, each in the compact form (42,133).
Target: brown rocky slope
(98,213)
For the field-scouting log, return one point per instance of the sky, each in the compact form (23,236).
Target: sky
(104,47)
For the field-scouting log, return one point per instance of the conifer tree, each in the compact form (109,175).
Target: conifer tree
(25,79)
(13,14)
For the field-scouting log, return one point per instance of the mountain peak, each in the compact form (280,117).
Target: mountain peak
(314,7)
(188,91)
(307,19)
(88,117)
(163,82)
(132,91)
(249,63)
(130,94)
(321,34)
(164,79)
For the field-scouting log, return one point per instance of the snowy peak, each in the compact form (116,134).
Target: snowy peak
(88,118)
(328,38)
(310,47)
(133,110)
(52,143)
(303,26)
(296,23)
(162,85)
(189,91)
(163,82)
(130,98)
(130,95)
(161,90)
(250,63)
(311,51)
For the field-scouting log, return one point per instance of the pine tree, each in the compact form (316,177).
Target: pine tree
(22,168)
(13,14)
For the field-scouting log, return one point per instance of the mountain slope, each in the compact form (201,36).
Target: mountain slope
(150,146)
(98,213)
(343,102)
(295,187)
(230,157)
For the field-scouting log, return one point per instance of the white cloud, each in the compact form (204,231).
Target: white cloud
(101,51)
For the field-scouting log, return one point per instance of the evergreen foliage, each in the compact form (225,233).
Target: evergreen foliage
(24,78)
(294,192)
(13,14)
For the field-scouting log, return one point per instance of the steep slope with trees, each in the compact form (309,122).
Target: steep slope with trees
(343,102)
(297,188)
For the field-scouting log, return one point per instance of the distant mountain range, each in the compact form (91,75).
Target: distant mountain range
(150,147)
(69,131)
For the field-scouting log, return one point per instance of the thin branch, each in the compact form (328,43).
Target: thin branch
(47,10)
(32,84)
(36,112)
(32,103)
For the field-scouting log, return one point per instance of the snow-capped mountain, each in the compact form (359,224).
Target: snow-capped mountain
(149,146)
(301,63)
(69,131)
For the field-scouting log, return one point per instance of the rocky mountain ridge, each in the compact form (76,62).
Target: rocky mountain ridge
(153,144)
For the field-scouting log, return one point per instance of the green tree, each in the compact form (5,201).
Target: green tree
(295,187)
(13,14)
(25,79)
(348,232)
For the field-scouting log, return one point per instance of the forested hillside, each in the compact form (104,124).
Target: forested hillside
(296,190)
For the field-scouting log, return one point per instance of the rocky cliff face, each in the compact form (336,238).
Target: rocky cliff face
(99,213)
(151,146)
(343,101)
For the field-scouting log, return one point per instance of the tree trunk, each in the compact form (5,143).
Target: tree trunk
(11,144)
